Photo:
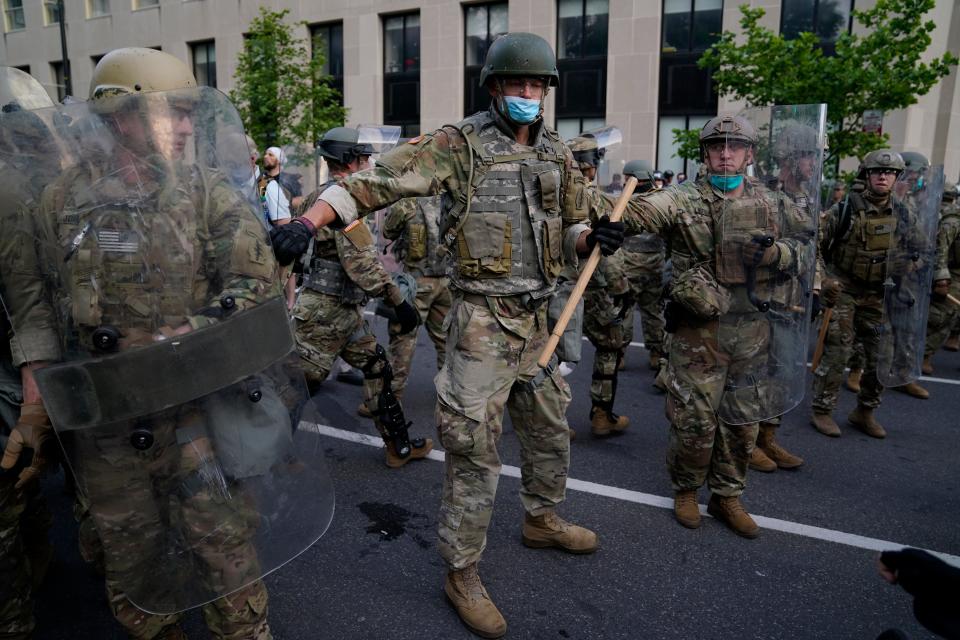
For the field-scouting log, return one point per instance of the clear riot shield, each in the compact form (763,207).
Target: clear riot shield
(909,276)
(303,171)
(592,147)
(766,258)
(179,402)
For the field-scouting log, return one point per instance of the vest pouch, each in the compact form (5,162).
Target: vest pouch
(699,293)
(549,182)
(552,247)
(484,249)
(878,233)
(416,242)
(870,268)
(576,205)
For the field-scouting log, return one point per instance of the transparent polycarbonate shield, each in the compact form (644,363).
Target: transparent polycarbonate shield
(302,172)
(379,137)
(766,254)
(605,137)
(180,400)
(908,279)
(19,90)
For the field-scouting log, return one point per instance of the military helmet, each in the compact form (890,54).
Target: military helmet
(914,161)
(728,127)
(639,169)
(134,70)
(586,151)
(520,54)
(19,90)
(342,145)
(795,139)
(881,159)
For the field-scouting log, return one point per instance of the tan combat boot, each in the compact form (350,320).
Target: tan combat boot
(623,362)
(572,434)
(825,424)
(760,462)
(654,361)
(550,530)
(685,509)
(730,511)
(767,442)
(953,342)
(419,448)
(363,412)
(913,389)
(603,422)
(926,368)
(473,604)
(862,418)
(853,380)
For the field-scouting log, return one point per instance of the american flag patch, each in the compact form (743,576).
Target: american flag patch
(118,241)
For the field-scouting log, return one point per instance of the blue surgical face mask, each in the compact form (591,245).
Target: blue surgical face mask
(919,185)
(726,183)
(521,110)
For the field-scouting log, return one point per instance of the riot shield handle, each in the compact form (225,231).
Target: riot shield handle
(765,241)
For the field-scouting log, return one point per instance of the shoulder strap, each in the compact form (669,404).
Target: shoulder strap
(846,219)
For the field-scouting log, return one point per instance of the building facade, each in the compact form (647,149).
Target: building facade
(415,63)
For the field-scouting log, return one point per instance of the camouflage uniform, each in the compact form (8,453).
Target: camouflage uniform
(704,353)
(414,226)
(859,263)
(943,313)
(608,324)
(644,259)
(510,229)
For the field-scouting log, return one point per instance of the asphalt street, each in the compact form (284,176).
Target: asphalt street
(811,574)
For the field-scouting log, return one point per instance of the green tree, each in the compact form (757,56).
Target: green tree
(881,69)
(281,91)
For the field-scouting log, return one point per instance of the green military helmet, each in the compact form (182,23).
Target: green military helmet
(520,54)
(134,70)
(795,138)
(914,161)
(586,152)
(881,159)
(19,90)
(342,145)
(639,169)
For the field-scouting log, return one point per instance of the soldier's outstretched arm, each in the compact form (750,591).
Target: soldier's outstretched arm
(397,216)
(358,256)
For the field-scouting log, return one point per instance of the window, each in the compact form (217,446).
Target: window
(96,8)
(582,58)
(13,15)
(572,127)
(401,72)
(666,149)
(484,23)
(327,39)
(204,56)
(689,27)
(144,4)
(828,19)
(51,12)
(25,68)
(60,80)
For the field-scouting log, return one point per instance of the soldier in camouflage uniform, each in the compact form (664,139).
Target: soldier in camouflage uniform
(946,278)
(414,226)
(858,255)
(230,249)
(706,354)
(518,205)
(644,259)
(340,271)
(25,551)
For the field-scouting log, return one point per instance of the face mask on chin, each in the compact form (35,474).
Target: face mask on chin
(521,110)
(726,183)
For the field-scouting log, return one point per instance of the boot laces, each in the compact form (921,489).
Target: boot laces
(733,506)
(472,586)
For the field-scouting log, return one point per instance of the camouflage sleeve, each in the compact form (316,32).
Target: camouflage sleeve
(652,212)
(798,238)
(395,222)
(947,233)
(237,258)
(829,226)
(431,164)
(359,259)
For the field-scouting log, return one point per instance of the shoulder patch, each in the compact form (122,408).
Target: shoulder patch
(415,140)
(358,233)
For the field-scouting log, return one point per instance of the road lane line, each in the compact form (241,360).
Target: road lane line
(648,499)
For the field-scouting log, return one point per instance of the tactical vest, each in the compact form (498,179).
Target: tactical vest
(743,221)
(952,209)
(509,230)
(325,273)
(862,253)
(425,254)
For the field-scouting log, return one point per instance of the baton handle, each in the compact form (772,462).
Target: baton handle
(585,274)
(821,339)
(953,299)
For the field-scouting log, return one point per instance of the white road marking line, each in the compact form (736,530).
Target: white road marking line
(637,497)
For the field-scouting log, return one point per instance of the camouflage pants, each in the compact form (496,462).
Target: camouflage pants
(25,553)
(857,358)
(943,318)
(487,368)
(609,337)
(327,329)
(703,448)
(856,318)
(433,302)
(645,273)
(138,498)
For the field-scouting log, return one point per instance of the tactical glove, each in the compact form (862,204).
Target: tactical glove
(407,316)
(33,432)
(759,253)
(921,573)
(291,240)
(830,292)
(816,306)
(609,235)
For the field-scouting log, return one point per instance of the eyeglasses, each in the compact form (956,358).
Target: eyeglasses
(517,85)
(883,172)
(732,145)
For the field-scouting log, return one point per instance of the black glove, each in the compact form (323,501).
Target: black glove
(407,316)
(609,235)
(817,307)
(921,573)
(290,241)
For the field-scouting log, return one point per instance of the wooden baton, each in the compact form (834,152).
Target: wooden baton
(953,300)
(821,338)
(585,274)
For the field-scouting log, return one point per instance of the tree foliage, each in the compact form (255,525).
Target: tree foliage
(281,91)
(881,69)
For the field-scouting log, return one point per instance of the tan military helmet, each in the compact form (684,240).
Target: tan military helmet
(795,138)
(585,151)
(137,70)
(726,127)
(881,159)
(19,90)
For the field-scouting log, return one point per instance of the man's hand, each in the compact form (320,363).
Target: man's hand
(407,316)
(761,252)
(830,293)
(607,234)
(941,288)
(290,241)
(32,431)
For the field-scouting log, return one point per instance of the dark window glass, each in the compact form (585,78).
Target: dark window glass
(828,19)
(328,40)
(691,25)
(582,28)
(582,58)
(483,23)
(677,15)
(59,79)
(25,68)
(205,63)
(401,72)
